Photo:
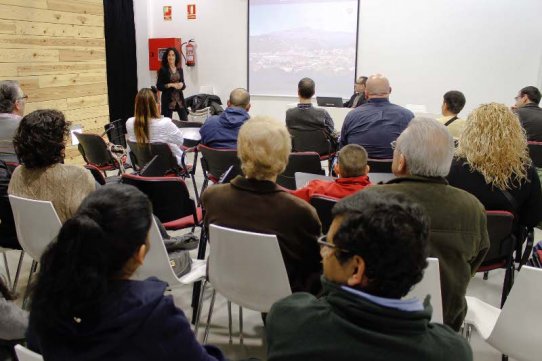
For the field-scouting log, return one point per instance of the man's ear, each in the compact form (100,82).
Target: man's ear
(337,169)
(401,166)
(357,267)
(229,104)
(247,107)
(367,169)
(390,90)
(139,257)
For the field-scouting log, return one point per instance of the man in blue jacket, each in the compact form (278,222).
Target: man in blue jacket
(220,131)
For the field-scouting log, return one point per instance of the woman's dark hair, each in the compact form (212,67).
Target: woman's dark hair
(40,139)
(390,232)
(164,58)
(91,249)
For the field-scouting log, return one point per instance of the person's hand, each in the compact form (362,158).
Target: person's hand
(179,85)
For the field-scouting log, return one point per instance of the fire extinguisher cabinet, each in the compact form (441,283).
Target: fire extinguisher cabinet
(158,46)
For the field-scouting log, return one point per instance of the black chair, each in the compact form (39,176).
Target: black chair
(94,151)
(306,162)
(535,151)
(323,205)
(500,226)
(313,141)
(379,165)
(99,177)
(170,199)
(166,163)
(214,162)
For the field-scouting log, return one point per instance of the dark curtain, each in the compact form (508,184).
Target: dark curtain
(120,49)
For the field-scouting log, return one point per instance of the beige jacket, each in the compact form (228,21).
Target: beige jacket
(64,185)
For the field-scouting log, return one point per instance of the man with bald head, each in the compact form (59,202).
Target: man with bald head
(220,131)
(12,102)
(375,124)
(458,237)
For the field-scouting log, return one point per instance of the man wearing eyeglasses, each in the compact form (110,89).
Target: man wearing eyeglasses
(358,97)
(12,102)
(374,253)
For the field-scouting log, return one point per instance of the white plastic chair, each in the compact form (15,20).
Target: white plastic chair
(430,285)
(514,330)
(24,354)
(157,264)
(248,269)
(37,224)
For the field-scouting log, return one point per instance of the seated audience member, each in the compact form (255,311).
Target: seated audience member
(458,238)
(84,305)
(453,103)
(378,122)
(529,113)
(358,97)
(12,102)
(305,116)
(492,162)
(13,322)
(374,253)
(352,170)
(256,203)
(146,126)
(220,131)
(40,144)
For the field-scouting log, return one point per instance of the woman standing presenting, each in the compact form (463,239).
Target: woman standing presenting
(171,83)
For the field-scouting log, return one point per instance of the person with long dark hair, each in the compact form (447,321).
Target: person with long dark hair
(171,83)
(84,305)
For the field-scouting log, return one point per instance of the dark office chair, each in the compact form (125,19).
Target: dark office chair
(94,151)
(323,205)
(313,141)
(214,162)
(306,162)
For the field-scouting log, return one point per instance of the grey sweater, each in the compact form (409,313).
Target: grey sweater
(13,321)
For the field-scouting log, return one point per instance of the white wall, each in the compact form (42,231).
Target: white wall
(488,49)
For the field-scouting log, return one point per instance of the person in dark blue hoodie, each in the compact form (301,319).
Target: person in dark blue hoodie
(84,305)
(220,131)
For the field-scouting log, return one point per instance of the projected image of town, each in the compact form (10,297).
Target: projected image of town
(289,40)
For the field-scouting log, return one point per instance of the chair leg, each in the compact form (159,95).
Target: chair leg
(197,317)
(229,321)
(241,325)
(485,275)
(504,358)
(6,265)
(196,193)
(508,282)
(17,273)
(468,332)
(211,306)
(26,292)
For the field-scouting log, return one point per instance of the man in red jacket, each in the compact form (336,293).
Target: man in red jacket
(352,170)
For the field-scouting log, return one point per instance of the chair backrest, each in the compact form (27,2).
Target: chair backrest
(255,281)
(144,153)
(323,205)
(535,151)
(153,168)
(499,228)
(517,331)
(376,177)
(307,162)
(156,262)
(96,173)
(93,149)
(36,222)
(310,141)
(380,165)
(169,195)
(430,285)
(216,161)
(24,354)
(302,178)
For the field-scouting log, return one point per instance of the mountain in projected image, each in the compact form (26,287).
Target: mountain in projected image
(301,38)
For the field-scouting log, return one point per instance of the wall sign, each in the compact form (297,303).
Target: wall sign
(167,13)
(191,11)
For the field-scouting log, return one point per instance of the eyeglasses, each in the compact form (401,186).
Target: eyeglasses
(324,244)
(25,97)
(518,97)
(393,144)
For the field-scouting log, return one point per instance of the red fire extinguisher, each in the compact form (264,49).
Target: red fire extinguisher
(190,53)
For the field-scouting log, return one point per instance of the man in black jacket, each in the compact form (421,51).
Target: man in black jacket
(358,97)
(374,252)
(529,113)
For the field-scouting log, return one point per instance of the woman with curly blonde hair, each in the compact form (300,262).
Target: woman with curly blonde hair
(492,159)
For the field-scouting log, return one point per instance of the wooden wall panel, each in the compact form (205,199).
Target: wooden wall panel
(56,50)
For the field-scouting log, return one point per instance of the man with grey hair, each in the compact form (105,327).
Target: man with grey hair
(12,102)
(376,123)
(220,131)
(421,159)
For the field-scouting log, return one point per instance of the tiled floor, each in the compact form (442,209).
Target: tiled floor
(254,345)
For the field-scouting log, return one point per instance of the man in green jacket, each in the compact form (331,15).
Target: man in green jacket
(375,251)
(421,159)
